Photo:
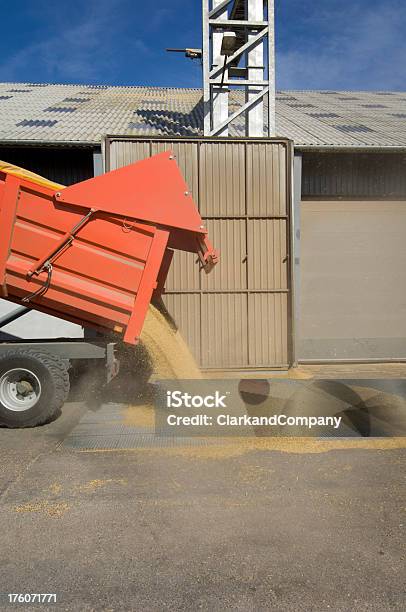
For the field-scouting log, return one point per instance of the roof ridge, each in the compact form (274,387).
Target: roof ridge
(167,87)
(97,86)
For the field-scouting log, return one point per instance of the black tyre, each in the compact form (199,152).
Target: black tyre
(33,387)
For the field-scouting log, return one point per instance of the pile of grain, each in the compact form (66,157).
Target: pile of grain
(164,355)
(169,353)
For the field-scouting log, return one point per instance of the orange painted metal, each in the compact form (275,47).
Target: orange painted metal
(98,251)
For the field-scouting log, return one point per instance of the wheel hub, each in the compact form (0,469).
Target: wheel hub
(24,388)
(20,389)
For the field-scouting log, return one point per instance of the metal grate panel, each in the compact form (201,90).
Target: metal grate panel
(105,429)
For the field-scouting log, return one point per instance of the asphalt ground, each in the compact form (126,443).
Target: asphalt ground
(260,524)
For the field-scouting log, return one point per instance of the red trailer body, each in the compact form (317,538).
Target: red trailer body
(97,252)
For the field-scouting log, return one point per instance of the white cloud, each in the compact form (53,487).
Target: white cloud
(75,50)
(363,47)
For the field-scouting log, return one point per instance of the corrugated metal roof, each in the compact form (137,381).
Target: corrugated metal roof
(48,113)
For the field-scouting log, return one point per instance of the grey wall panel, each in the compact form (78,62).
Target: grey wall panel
(268,259)
(184,273)
(353,287)
(188,318)
(225,325)
(266,180)
(230,237)
(121,153)
(222,179)
(268,313)
(352,175)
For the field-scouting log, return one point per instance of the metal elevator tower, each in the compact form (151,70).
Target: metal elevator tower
(239,52)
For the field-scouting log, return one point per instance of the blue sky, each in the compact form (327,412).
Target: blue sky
(321,44)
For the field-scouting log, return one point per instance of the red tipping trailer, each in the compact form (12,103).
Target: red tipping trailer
(95,253)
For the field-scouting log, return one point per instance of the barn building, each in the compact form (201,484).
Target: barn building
(311,224)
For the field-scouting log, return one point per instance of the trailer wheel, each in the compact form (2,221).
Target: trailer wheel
(33,387)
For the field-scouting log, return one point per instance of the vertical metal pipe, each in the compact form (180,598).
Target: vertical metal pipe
(271,72)
(295,250)
(206,69)
(220,93)
(255,65)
